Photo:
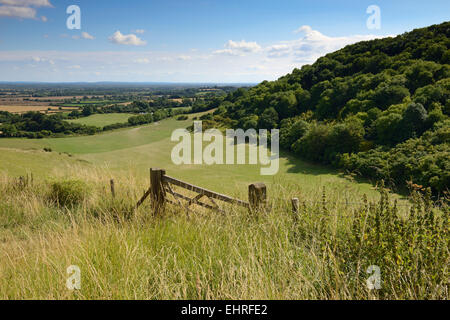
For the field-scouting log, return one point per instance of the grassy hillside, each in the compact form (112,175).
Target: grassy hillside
(67,216)
(135,150)
(377,108)
(323,253)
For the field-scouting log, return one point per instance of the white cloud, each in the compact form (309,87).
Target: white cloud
(164,59)
(279,50)
(17,12)
(129,39)
(243,46)
(38,59)
(86,35)
(27,3)
(184,58)
(304,28)
(312,45)
(239,48)
(256,67)
(226,52)
(22,8)
(139,31)
(74,67)
(142,60)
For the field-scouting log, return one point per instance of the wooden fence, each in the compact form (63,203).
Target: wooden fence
(161,187)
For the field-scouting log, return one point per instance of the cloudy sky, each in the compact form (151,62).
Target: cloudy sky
(189,40)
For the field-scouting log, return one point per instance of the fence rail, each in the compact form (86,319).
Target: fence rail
(205,192)
(161,186)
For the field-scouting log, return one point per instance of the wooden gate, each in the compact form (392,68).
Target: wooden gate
(162,186)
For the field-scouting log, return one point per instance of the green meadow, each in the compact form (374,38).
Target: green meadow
(135,150)
(101,120)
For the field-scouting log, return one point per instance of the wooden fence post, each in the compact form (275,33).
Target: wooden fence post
(257,197)
(295,208)
(158,193)
(113,190)
(295,205)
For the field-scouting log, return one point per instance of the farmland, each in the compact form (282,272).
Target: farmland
(101,120)
(27,108)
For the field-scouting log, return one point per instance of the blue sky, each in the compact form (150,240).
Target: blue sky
(189,41)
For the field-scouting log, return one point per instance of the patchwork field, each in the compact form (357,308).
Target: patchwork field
(42,108)
(21,104)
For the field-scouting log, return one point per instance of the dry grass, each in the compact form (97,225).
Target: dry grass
(128,254)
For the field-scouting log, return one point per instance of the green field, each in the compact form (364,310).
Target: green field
(101,120)
(135,150)
(124,253)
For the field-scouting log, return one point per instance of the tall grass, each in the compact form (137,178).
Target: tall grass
(321,253)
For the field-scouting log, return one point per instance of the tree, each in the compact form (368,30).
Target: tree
(8,130)
(387,94)
(314,143)
(429,94)
(420,74)
(285,104)
(292,131)
(87,111)
(414,121)
(387,128)
(346,137)
(268,119)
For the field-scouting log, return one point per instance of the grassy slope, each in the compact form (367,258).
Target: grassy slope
(101,120)
(232,256)
(135,150)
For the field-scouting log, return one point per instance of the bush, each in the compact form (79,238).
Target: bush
(182,118)
(69,193)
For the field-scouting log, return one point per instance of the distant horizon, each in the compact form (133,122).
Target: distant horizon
(134,82)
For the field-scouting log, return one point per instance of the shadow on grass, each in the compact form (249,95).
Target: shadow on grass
(298,165)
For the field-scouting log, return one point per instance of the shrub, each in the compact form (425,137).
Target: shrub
(182,118)
(314,143)
(411,252)
(69,193)
(291,131)
(268,119)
